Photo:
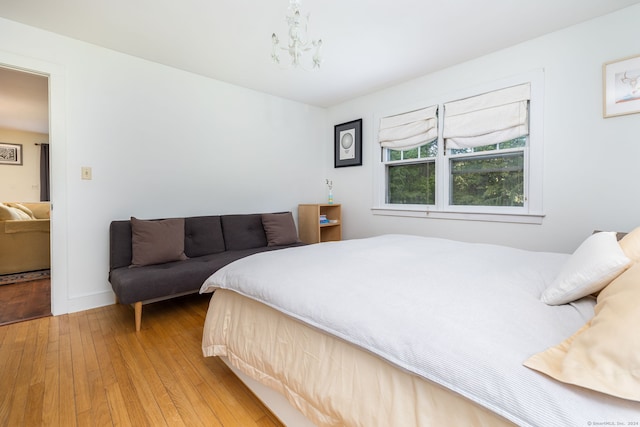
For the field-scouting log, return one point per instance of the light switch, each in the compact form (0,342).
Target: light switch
(86,172)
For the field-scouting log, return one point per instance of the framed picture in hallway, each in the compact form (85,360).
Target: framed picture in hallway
(348,144)
(10,154)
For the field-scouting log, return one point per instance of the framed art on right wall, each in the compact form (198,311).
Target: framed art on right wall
(621,85)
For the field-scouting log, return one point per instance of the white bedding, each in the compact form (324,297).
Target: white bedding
(462,315)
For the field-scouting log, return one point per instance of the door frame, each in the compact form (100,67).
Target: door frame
(58,143)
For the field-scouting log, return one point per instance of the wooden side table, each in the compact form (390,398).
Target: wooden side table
(310,229)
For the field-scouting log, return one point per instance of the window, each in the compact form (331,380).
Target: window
(482,158)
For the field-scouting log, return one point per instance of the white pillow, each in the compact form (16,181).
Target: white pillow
(10,213)
(597,261)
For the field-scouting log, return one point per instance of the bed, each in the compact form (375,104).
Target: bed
(408,330)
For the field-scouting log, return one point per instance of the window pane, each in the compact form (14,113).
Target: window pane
(512,143)
(429,150)
(411,154)
(395,155)
(474,150)
(422,152)
(411,184)
(488,181)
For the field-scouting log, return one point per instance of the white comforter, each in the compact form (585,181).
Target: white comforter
(462,315)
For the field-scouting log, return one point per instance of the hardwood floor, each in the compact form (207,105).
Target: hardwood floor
(25,300)
(92,369)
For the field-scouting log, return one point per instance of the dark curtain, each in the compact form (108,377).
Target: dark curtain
(44,173)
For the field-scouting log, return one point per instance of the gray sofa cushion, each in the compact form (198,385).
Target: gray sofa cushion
(203,236)
(119,244)
(243,232)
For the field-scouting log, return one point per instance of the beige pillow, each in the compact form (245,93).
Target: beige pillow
(604,355)
(280,229)
(41,210)
(157,241)
(22,208)
(630,245)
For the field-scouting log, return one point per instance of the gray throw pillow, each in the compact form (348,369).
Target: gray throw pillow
(280,229)
(157,241)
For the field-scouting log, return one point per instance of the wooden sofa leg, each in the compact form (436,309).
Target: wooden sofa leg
(138,311)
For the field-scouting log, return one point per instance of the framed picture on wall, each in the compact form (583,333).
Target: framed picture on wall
(348,144)
(621,86)
(10,154)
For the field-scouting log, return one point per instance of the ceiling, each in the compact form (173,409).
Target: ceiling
(24,101)
(367,45)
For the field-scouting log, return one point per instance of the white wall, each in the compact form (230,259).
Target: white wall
(21,183)
(590,163)
(161,142)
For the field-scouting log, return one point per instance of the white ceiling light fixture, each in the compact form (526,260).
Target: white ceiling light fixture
(298,43)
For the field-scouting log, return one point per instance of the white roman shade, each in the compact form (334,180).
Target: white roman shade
(487,119)
(409,130)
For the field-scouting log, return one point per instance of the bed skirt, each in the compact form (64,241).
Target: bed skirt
(332,382)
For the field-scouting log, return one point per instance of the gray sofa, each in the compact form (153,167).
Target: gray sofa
(208,242)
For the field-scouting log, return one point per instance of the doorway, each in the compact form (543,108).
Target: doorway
(25,284)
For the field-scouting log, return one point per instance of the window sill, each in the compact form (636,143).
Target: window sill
(465,216)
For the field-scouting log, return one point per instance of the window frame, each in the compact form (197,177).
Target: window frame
(531,212)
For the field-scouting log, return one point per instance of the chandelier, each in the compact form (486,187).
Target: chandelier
(298,43)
